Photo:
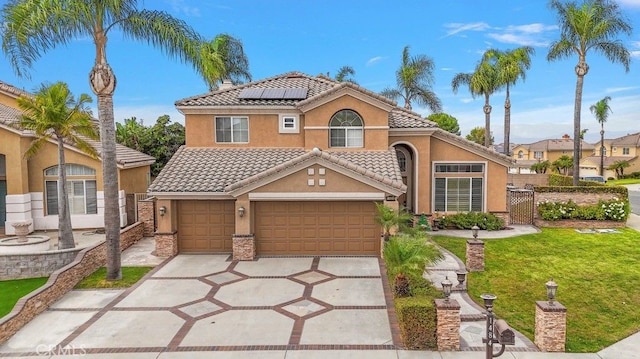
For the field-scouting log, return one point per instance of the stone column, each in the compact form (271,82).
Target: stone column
(448,324)
(166,244)
(475,255)
(146,215)
(551,326)
(244,247)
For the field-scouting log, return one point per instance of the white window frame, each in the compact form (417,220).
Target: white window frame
(625,150)
(347,131)
(286,119)
(231,118)
(538,157)
(75,173)
(471,175)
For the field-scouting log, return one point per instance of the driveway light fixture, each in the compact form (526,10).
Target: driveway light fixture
(446,288)
(474,231)
(552,287)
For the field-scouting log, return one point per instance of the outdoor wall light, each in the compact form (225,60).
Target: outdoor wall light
(446,288)
(241,211)
(162,210)
(462,275)
(474,231)
(390,198)
(552,287)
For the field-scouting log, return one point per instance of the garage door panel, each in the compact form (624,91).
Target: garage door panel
(205,226)
(316,228)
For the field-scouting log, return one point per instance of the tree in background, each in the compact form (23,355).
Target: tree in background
(541,167)
(563,164)
(511,65)
(414,80)
(54,115)
(601,110)
(31,28)
(619,167)
(160,141)
(482,82)
(344,74)
(591,25)
(445,122)
(224,59)
(477,135)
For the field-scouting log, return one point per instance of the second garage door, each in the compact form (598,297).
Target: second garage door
(205,226)
(316,228)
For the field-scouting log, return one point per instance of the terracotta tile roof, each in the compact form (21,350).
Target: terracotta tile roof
(608,160)
(401,118)
(631,140)
(126,156)
(5,87)
(561,144)
(223,170)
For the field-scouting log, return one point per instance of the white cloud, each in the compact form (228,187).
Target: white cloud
(635,53)
(374,60)
(447,69)
(148,113)
(619,89)
(456,28)
(535,28)
(524,35)
(630,3)
(181,7)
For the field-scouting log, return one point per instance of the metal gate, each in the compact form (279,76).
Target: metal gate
(520,206)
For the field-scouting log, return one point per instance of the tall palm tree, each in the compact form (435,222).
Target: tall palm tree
(511,66)
(592,25)
(344,74)
(225,59)
(414,79)
(483,81)
(601,110)
(54,115)
(32,27)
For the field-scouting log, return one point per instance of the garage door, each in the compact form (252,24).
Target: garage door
(316,228)
(205,226)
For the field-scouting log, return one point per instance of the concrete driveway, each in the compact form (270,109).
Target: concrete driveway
(208,303)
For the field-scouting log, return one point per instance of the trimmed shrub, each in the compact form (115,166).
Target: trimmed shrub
(567,181)
(466,220)
(612,210)
(417,320)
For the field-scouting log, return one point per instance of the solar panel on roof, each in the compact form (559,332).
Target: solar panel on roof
(273,94)
(295,93)
(251,94)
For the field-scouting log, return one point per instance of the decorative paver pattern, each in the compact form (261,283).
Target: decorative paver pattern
(197,303)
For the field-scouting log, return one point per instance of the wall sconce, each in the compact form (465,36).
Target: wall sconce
(390,198)
(552,287)
(241,211)
(162,210)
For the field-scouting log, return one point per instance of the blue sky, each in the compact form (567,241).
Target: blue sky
(315,37)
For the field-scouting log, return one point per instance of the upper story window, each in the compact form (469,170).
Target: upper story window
(625,150)
(232,129)
(520,154)
(289,124)
(346,129)
(537,155)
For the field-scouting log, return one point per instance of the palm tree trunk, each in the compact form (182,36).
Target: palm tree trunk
(507,122)
(65,233)
(487,121)
(602,149)
(581,70)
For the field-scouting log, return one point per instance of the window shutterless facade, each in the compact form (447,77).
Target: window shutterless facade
(346,129)
(459,187)
(232,129)
(81,189)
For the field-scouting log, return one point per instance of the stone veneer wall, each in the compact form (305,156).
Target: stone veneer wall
(475,255)
(166,244)
(34,265)
(448,325)
(62,281)
(146,215)
(244,247)
(551,326)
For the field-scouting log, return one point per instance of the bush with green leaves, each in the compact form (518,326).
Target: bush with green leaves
(611,210)
(466,220)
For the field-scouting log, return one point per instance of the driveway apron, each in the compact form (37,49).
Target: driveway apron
(208,303)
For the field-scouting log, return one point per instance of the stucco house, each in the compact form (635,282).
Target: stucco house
(625,148)
(28,191)
(545,150)
(293,164)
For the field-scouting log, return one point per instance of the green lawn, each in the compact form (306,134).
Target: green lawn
(12,290)
(598,277)
(621,182)
(130,275)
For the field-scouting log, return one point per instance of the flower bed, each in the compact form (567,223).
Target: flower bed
(576,223)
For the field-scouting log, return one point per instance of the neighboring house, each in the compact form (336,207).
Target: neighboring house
(625,148)
(28,189)
(294,163)
(545,150)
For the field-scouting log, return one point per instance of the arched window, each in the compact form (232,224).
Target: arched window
(81,189)
(520,154)
(345,129)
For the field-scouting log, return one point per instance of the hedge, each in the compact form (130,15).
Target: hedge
(562,180)
(417,320)
(622,191)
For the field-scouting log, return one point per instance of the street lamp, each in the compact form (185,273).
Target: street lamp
(552,287)
(474,231)
(446,288)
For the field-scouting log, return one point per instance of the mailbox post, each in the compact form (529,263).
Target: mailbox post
(497,331)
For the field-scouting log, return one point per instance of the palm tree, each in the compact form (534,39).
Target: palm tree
(32,27)
(592,25)
(511,66)
(601,110)
(224,59)
(54,115)
(482,82)
(619,167)
(389,218)
(344,74)
(414,79)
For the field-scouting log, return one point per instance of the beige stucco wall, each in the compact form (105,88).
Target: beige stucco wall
(422,145)
(134,180)
(8,100)
(13,146)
